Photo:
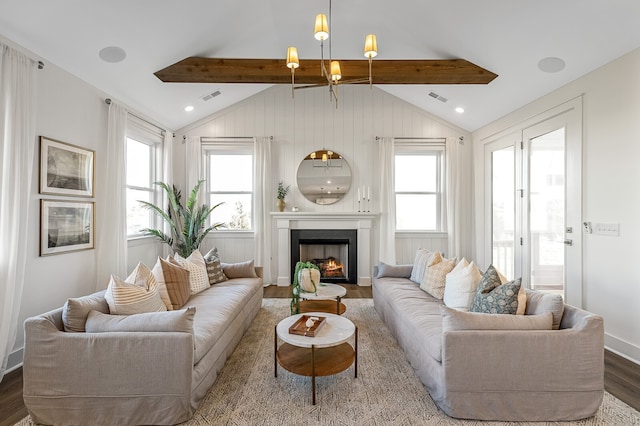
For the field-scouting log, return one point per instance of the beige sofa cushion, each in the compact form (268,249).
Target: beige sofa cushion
(239,270)
(453,319)
(434,278)
(197,267)
(420,265)
(137,294)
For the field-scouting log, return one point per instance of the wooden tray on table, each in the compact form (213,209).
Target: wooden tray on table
(300,328)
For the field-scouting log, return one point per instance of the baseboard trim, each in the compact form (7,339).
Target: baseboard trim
(623,348)
(15,360)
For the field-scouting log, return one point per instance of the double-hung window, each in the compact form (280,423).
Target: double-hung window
(229,174)
(419,175)
(143,153)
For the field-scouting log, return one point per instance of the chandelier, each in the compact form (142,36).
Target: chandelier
(333,73)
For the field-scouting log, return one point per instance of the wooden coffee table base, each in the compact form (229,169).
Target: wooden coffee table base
(328,306)
(316,362)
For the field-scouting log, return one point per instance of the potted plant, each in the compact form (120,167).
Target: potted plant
(186,222)
(306,278)
(282,193)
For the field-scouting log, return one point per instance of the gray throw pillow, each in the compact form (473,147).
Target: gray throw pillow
(179,320)
(76,310)
(394,271)
(453,319)
(214,268)
(539,303)
(239,270)
(493,297)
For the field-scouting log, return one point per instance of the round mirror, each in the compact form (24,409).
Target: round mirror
(324,177)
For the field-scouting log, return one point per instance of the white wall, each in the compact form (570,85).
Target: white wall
(611,176)
(310,122)
(72,111)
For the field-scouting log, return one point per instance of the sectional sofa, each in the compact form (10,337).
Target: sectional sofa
(482,366)
(134,377)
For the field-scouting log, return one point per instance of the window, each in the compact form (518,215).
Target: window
(229,171)
(418,187)
(143,152)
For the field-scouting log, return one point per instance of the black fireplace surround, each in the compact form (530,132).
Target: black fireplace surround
(328,236)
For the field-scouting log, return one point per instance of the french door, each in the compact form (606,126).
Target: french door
(534,203)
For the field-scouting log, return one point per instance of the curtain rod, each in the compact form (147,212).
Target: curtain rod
(163,131)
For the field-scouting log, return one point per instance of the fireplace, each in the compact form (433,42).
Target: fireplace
(334,251)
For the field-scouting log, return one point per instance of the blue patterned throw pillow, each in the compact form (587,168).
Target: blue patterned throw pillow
(493,297)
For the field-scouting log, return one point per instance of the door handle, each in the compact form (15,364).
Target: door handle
(568,242)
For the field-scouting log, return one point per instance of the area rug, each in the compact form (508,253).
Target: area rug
(386,391)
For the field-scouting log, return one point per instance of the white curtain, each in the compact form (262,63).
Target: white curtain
(167,177)
(455,208)
(262,200)
(387,202)
(194,168)
(111,248)
(17,147)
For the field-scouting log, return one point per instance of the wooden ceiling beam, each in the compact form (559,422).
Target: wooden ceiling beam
(274,71)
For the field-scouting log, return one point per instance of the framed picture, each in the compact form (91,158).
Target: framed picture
(66,226)
(65,169)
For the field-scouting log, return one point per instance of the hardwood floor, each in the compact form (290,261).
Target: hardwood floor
(621,376)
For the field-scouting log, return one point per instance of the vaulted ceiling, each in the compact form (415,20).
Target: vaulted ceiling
(505,37)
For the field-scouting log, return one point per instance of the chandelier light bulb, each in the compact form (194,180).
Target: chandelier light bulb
(370,46)
(321,32)
(336,74)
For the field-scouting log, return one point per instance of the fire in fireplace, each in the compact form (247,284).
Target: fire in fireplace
(334,251)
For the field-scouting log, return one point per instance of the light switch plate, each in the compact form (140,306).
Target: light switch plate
(610,229)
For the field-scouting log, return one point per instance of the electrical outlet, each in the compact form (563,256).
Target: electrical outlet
(610,229)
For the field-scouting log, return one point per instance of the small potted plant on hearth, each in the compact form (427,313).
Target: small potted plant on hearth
(282,193)
(306,278)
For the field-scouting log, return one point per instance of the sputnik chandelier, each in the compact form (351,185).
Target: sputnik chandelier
(333,74)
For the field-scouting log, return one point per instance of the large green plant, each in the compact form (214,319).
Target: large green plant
(295,288)
(186,223)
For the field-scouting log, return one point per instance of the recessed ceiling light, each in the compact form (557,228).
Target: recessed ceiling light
(112,54)
(551,64)
(459,110)
(189,108)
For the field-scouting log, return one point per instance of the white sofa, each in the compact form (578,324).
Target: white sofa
(499,374)
(132,378)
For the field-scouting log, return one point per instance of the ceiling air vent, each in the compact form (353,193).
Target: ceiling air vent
(211,95)
(434,95)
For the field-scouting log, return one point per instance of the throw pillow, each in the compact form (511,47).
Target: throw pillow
(197,267)
(175,279)
(522,295)
(434,278)
(455,320)
(239,270)
(420,265)
(214,268)
(137,294)
(538,303)
(75,311)
(461,284)
(394,271)
(180,320)
(493,297)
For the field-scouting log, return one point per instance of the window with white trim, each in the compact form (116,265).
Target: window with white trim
(419,176)
(143,152)
(229,175)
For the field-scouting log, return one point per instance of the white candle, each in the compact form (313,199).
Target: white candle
(358,194)
(368,192)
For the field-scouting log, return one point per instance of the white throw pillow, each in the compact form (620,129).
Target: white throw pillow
(137,294)
(461,285)
(197,267)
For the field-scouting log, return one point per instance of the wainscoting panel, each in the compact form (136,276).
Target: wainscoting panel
(408,243)
(232,247)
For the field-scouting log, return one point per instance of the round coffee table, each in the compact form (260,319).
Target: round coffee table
(325,354)
(323,299)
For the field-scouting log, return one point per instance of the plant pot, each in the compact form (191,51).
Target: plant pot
(281,204)
(307,278)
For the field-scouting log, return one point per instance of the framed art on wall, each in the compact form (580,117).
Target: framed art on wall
(65,169)
(66,226)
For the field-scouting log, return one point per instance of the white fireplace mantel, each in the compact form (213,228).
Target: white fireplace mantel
(286,221)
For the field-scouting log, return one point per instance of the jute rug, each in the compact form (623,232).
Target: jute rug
(386,392)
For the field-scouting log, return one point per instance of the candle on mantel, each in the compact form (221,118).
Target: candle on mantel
(368,192)
(358,194)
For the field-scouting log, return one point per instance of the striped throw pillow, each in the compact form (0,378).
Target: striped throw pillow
(175,279)
(137,294)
